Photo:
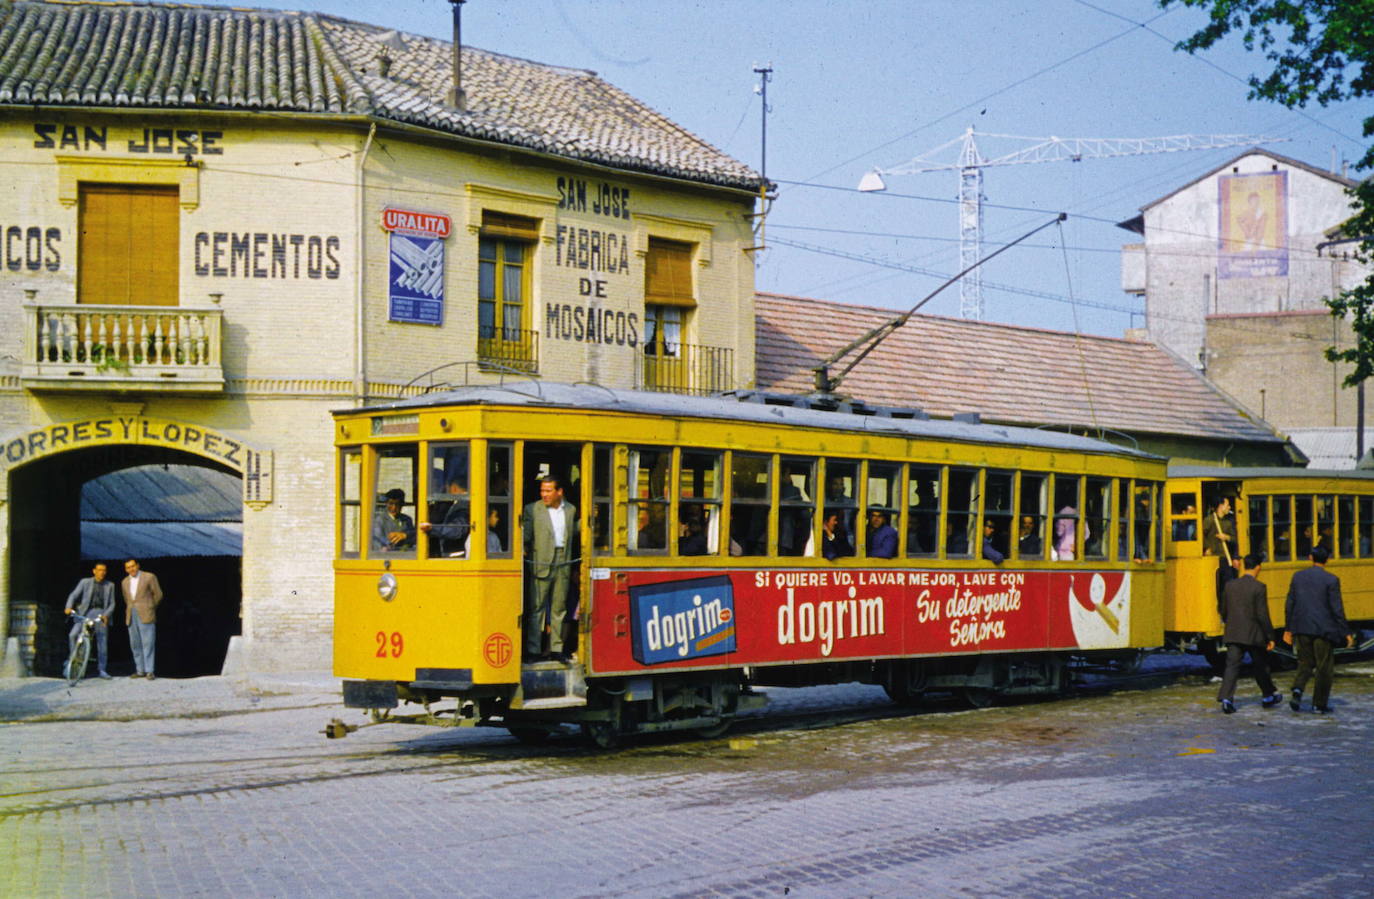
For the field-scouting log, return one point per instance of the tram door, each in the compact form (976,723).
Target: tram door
(561,460)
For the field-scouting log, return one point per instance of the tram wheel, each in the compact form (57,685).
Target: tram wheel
(530,736)
(977,697)
(715,730)
(601,734)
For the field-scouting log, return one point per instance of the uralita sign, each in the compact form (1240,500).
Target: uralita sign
(416,278)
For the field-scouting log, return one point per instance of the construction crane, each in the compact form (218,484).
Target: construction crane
(970,165)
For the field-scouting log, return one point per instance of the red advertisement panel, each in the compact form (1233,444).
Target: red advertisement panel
(653,620)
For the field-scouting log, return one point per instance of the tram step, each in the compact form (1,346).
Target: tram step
(554,702)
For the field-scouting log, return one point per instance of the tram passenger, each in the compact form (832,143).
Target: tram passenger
(691,541)
(1029,543)
(990,551)
(1066,534)
(494,546)
(882,537)
(549,526)
(834,541)
(450,535)
(393,529)
(1219,539)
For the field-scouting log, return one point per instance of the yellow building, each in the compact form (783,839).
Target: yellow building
(219,224)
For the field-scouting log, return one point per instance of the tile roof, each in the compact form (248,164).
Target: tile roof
(163,56)
(1008,374)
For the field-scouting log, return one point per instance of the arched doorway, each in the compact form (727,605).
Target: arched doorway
(201,574)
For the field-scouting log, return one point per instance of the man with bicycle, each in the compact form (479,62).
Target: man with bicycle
(94,597)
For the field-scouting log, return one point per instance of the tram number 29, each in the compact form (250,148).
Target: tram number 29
(392,644)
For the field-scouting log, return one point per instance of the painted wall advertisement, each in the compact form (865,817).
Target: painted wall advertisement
(1253,230)
(665,619)
(416,282)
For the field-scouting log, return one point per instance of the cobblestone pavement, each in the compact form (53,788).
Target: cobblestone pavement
(833,792)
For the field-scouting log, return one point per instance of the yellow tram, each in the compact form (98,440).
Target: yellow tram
(727,543)
(1280,514)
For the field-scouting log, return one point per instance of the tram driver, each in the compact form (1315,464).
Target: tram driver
(393,529)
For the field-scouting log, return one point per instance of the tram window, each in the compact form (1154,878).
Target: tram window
(1143,517)
(699,504)
(351,502)
(393,517)
(882,498)
(1183,517)
(961,511)
(1030,530)
(796,507)
(448,509)
(1345,526)
(1325,532)
(749,503)
(1365,526)
(841,488)
(922,511)
(997,511)
(1065,545)
(1097,519)
(1259,525)
(498,497)
(649,500)
(601,497)
(1282,509)
(1302,525)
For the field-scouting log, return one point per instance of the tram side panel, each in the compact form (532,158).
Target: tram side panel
(439,625)
(645,620)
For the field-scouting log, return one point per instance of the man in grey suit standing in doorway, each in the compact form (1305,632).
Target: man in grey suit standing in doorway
(550,529)
(93,598)
(142,593)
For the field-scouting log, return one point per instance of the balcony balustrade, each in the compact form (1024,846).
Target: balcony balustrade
(687,368)
(510,348)
(142,348)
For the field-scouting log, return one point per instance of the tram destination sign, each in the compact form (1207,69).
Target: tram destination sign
(416,251)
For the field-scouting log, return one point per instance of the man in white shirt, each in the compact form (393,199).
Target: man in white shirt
(550,529)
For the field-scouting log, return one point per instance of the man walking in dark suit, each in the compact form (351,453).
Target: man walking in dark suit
(1245,610)
(142,593)
(93,597)
(550,528)
(1315,617)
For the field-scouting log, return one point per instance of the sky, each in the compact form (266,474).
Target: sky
(864,84)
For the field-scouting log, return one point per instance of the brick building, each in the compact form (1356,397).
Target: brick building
(1233,267)
(220,224)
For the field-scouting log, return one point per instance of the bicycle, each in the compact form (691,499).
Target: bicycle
(75,668)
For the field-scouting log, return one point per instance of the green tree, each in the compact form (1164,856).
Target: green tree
(1322,51)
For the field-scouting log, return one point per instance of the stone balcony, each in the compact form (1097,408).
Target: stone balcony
(122,348)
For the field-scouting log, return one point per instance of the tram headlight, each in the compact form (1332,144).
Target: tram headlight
(387,586)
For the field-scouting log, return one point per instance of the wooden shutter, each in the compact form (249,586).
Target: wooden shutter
(128,252)
(503,224)
(668,274)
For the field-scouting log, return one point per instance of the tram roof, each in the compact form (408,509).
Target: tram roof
(752,406)
(1245,474)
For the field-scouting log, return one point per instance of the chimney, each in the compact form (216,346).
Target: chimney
(456,98)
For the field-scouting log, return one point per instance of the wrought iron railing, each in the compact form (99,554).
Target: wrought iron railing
(508,347)
(170,345)
(687,368)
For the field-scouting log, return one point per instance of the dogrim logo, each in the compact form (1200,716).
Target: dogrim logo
(498,650)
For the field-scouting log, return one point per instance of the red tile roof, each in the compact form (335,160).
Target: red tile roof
(1008,374)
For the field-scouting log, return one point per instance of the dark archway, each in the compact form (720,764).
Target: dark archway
(141,510)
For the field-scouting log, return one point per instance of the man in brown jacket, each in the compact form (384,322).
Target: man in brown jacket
(142,593)
(1245,609)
